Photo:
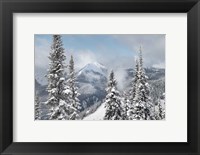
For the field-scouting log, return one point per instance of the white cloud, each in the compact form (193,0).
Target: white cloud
(161,65)
(82,58)
(120,75)
(153,47)
(42,49)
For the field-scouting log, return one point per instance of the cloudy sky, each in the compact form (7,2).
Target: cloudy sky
(113,51)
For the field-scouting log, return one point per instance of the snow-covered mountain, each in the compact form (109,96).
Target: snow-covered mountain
(40,75)
(40,90)
(152,73)
(92,80)
(95,68)
(94,74)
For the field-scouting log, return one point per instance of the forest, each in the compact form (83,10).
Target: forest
(144,99)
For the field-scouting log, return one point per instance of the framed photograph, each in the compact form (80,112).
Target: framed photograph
(99,77)
(92,85)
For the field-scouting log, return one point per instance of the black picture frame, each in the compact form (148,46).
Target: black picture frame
(8,7)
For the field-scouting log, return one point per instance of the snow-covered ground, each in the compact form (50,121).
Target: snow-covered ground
(97,115)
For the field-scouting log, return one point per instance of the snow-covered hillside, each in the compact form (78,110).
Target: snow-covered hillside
(97,115)
(94,67)
(100,112)
(92,80)
(94,74)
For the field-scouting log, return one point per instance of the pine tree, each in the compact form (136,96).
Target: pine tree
(161,110)
(74,105)
(113,103)
(57,99)
(125,105)
(134,92)
(139,105)
(37,108)
(140,102)
(144,88)
(134,81)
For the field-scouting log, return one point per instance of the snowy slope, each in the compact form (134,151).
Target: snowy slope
(91,81)
(97,115)
(93,67)
(94,74)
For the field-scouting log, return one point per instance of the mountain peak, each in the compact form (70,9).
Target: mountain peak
(98,65)
(95,67)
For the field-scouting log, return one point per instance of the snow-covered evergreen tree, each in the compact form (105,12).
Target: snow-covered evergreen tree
(138,104)
(113,102)
(74,105)
(58,95)
(140,101)
(132,92)
(160,113)
(37,108)
(134,81)
(144,89)
(125,105)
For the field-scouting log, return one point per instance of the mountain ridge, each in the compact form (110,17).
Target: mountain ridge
(92,82)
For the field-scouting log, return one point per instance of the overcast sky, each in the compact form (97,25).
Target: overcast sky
(113,51)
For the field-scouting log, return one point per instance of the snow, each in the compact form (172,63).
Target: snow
(87,89)
(67,91)
(97,115)
(62,103)
(95,67)
(62,79)
(162,103)
(53,90)
(99,65)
